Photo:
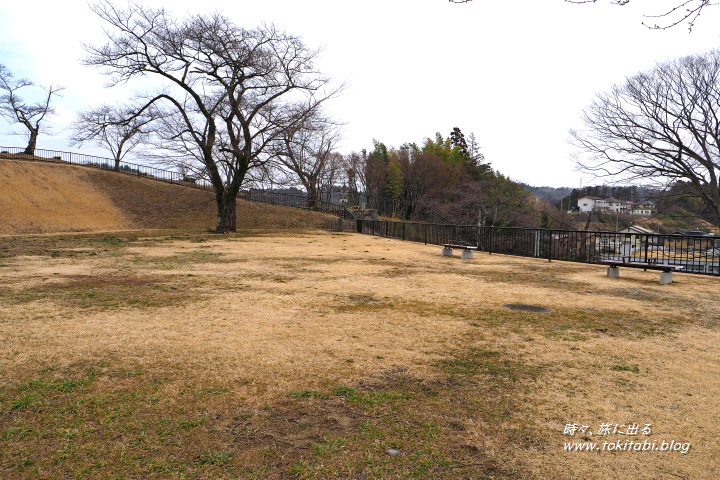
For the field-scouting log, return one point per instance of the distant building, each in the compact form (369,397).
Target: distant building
(637,229)
(339,195)
(645,209)
(587,204)
(694,233)
(597,204)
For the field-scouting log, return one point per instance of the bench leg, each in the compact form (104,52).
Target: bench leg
(447,252)
(613,272)
(665,278)
(466,254)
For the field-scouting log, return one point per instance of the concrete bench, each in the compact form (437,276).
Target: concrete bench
(467,250)
(665,277)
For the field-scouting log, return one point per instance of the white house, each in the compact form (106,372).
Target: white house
(587,204)
(597,204)
(614,205)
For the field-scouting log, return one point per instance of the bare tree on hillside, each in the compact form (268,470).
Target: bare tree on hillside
(228,93)
(108,128)
(16,110)
(659,126)
(306,151)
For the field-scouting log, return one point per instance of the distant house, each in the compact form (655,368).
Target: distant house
(694,233)
(644,209)
(597,204)
(587,204)
(634,240)
(614,205)
(637,229)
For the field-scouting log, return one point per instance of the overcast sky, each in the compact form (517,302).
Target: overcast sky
(516,73)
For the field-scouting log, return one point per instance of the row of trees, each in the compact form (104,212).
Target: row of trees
(229,101)
(446,180)
(234,105)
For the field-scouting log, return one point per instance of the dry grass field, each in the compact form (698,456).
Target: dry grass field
(306,354)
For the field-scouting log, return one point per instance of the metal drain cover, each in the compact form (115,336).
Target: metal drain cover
(524,307)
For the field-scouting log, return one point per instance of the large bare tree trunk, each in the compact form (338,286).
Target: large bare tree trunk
(32,143)
(227,213)
(312,201)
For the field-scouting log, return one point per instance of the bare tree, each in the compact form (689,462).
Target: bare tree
(16,110)
(107,127)
(227,91)
(354,173)
(306,151)
(662,125)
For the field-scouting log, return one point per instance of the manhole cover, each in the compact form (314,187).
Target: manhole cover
(524,307)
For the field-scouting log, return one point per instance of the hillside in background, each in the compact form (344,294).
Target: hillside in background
(550,194)
(42,197)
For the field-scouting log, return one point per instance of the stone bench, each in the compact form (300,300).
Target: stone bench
(665,277)
(467,250)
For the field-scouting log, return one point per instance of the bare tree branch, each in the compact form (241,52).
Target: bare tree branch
(685,11)
(116,129)
(660,126)
(306,152)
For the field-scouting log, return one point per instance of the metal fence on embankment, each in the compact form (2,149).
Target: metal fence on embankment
(54,156)
(169,176)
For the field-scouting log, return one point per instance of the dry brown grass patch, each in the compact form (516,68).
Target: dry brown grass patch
(309,355)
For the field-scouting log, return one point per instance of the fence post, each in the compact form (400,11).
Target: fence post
(550,249)
(359,225)
(403,231)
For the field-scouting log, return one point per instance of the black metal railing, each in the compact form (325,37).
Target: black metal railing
(296,200)
(696,254)
(105,163)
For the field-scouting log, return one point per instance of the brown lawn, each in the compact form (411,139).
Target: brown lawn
(306,354)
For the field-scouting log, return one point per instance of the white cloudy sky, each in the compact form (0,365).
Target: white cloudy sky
(516,73)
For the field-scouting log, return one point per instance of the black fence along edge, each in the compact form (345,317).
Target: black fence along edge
(696,254)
